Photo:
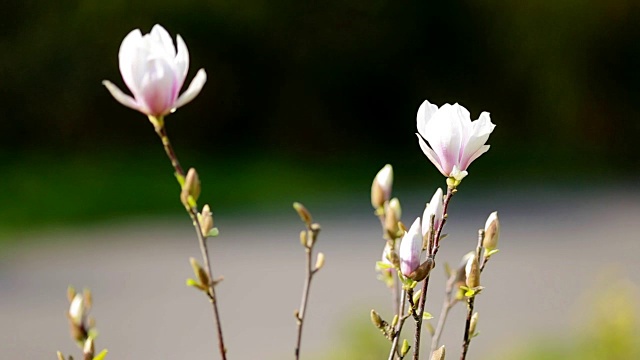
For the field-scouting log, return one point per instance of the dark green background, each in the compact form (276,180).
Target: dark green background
(308,99)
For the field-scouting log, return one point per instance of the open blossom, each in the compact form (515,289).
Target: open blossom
(454,140)
(154,73)
(434,208)
(411,248)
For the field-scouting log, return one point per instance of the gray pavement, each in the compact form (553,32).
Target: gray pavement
(554,244)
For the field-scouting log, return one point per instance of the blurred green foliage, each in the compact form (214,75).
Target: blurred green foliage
(608,329)
(312,96)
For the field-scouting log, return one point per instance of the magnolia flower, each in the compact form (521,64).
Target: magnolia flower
(454,140)
(434,208)
(154,73)
(410,249)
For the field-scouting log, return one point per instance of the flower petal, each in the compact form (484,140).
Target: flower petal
(425,113)
(478,136)
(121,97)
(444,136)
(127,57)
(193,90)
(159,34)
(182,61)
(431,155)
(482,150)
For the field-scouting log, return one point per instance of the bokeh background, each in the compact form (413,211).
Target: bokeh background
(306,100)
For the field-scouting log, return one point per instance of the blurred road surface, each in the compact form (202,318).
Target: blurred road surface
(553,244)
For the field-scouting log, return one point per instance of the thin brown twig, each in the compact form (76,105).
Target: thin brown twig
(467,326)
(162,133)
(432,253)
(395,293)
(310,272)
(398,329)
(470,303)
(446,307)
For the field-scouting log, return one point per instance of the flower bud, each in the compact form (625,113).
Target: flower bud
(405,348)
(460,277)
(190,189)
(422,271)
(491,232)
(77,310)
(434,208)
(474,323)
(438,354)
(393,212)
(411,248)
(319,261)
(376,319)
(199,272)
(302,211)
(88,348)
(206,220)
(381,187)
(472,272)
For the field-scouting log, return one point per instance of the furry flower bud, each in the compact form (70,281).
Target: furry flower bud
(381,187)
(491,232)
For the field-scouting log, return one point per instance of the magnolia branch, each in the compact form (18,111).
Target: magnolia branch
(193,213)
(308,239)
(432,254)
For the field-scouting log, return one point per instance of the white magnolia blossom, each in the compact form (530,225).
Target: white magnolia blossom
(435,207)
(154,73)
(411,248)
(454,140)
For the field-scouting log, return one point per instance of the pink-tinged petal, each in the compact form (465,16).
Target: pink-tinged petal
(128,55)
(444,136)
(425,113)
(411,249)
(161,36)
(479,134)
(121,97)
(156,88)
(482,150)
(182,60)
(431,155)
(193,90)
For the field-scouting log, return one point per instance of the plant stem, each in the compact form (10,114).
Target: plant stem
(402,318)
(470,302)
(467,325)
(193,213)
(432,253)
(446,306)
(307,286)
